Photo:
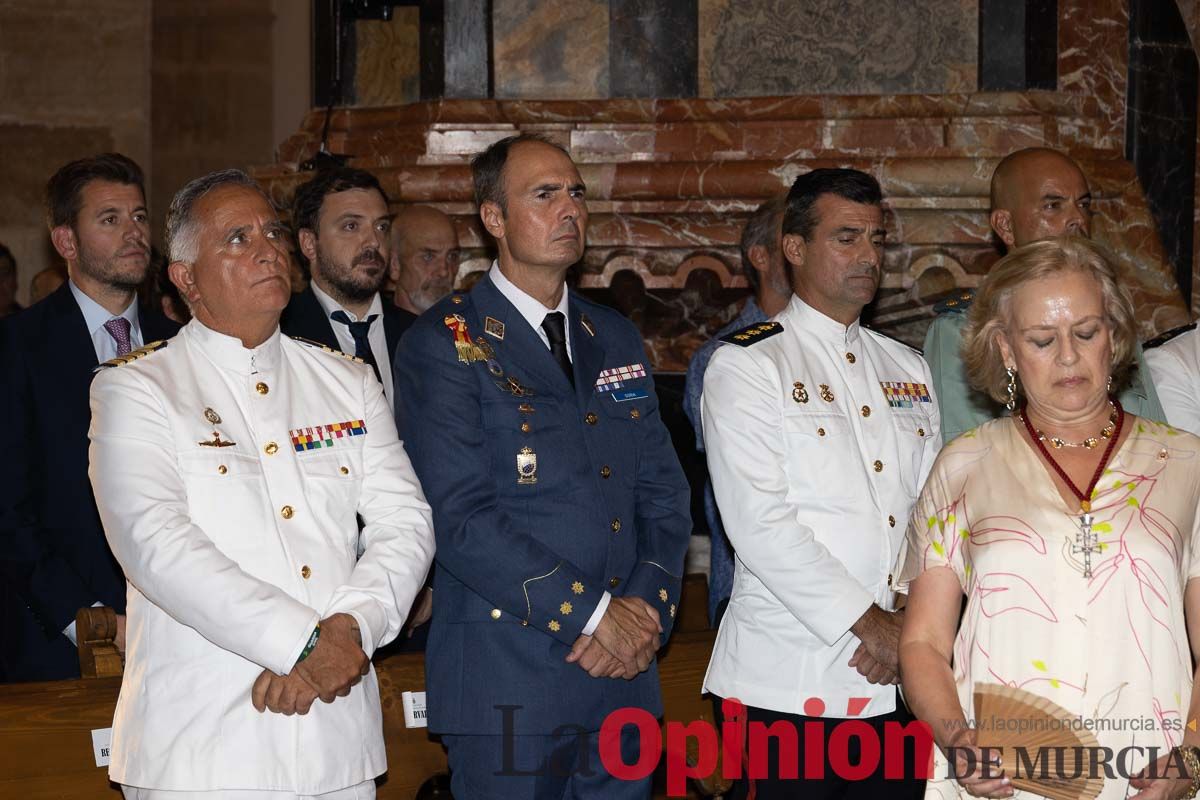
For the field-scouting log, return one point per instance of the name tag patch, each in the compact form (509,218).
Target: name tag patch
(629,394)
(904,395)
(616,377)
(319,436)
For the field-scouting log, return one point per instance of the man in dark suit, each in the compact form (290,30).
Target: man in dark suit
(560,508)
(53,555)
(343,226)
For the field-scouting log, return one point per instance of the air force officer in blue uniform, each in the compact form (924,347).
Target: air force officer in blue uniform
(560,509)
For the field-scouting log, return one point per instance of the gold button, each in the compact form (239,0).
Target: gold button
(591,418)
(605,471)
(221,470)
(495,613)
(344,470)
(850,357)
(614,582)
(286,512)
(261,388)
(305,572)
(615,525)
(271,448)
(866,411)
(635,414)
(920,431)
(820,431)
(891,521)
(457,300)
(878,466)
(525,427)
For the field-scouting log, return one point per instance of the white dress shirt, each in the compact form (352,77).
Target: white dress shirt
(815,472)
(94,317)
(532,310)
(1175,370)
(377,336)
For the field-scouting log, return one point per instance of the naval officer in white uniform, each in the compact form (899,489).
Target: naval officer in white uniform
(229,465)
(819,435)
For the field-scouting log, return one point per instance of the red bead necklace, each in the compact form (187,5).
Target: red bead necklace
(1085,504)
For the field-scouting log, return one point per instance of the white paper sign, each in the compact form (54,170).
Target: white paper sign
(415,715)
(102,745)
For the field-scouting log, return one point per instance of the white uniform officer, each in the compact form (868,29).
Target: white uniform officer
(819,435)
(1174,361)
(229,465)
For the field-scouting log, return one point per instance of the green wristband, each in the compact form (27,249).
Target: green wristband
(312,644)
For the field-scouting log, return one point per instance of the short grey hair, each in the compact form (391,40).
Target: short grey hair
(182,231)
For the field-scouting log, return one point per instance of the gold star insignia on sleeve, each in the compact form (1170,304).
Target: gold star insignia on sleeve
(662,595)
(577,587)
(565,609)
(554,626)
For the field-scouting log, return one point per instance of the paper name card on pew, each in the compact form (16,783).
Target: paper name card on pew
(102,745)
(415,714)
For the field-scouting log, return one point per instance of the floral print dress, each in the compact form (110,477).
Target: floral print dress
(1111,648)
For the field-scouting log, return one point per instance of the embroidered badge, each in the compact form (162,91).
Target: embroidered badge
(616,377)
(902,395)
(217,441)
(799,393)
(526,466)
(467,351)
(493,327)
(826,394)
(319,436)
(212,416)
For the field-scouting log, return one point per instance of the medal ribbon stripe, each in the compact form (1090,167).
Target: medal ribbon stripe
(615,378)
(318,436)
(902,394)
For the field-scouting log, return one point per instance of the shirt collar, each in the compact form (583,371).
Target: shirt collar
(228,351)
(95,315)
(531,308)
(804,316)
(329,305)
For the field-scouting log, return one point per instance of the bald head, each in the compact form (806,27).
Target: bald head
(424,257)
(1037,193)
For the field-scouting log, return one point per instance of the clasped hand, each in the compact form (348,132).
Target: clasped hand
(335,664)
(877,657)
(624,642)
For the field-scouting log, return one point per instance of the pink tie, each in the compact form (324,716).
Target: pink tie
(118,328)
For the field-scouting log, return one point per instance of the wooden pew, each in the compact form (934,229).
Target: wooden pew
(45,728)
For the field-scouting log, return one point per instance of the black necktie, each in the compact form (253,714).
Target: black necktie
(556,331)
(361,332)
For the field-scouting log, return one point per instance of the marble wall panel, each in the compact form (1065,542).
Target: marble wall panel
(782,47)
(1093,60)
(387,67)
(545,49)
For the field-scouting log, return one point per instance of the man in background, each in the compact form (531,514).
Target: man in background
(45,283)
(425,257)
(53,556)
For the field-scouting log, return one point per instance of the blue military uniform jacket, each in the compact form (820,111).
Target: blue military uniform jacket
(544,497)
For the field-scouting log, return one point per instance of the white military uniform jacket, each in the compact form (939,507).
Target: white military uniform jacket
(1175,370)
(228,481)
(818,437)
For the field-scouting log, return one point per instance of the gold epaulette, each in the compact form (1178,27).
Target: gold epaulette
(753,333)
(132,355)
(327,349)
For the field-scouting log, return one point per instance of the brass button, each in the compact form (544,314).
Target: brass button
(820,431)
(866,411)
(591,418)
(525,427)
(605,471)
(457,300)
(850,357)
(495,613)
(920,431)
(305,572)
(271,448)
(221,470)
(615,525)
(261,388)
(635,414)
(286,512)
(344,470)
(891,521)
(614,582)
(878,466)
